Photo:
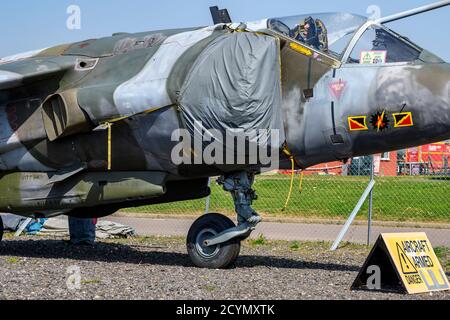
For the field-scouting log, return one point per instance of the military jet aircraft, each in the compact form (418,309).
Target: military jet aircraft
(89,128)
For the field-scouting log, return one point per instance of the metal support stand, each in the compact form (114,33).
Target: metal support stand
(353,214)
(22,227)
(369,220)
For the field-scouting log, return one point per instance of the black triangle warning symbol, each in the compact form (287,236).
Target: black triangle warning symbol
(407,266)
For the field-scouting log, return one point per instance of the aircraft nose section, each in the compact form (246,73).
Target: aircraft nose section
(432,100)
(444,99)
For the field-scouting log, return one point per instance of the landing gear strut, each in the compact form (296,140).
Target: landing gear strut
(214,241)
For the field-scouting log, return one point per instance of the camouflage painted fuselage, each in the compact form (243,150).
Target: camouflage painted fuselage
(54,151)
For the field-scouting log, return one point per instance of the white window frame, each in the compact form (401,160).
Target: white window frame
(388,158)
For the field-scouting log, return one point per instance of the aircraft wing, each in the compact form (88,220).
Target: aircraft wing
(23,72)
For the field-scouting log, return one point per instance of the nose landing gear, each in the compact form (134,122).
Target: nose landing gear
(214,241)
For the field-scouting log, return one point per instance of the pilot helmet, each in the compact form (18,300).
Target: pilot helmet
(313,33)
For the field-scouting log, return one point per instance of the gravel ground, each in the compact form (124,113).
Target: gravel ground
(158,268)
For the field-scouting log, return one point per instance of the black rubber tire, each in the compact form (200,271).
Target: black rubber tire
(221,256)
(1,228)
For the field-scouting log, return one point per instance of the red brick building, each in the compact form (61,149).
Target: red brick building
(436,155)
(385,165)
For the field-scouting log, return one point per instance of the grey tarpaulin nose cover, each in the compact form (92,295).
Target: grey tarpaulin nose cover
(235,83)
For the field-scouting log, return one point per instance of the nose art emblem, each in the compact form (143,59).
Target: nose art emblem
(380,121)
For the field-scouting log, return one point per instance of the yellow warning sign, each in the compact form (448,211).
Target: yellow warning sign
(416,262)
(406,262)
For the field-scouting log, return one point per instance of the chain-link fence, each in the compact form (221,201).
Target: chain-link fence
(331,192)
(412,195)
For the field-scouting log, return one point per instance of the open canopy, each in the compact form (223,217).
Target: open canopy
(328,32)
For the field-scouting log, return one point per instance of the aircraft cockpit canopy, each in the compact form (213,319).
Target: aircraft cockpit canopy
(327,32)
(331,33)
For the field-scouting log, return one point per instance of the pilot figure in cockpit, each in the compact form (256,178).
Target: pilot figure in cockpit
(313,33)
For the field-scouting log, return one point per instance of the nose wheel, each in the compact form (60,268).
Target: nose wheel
(219,256)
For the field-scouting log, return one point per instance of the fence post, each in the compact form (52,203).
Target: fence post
(353,215)
(372,178)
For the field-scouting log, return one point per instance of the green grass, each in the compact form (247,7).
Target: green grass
(209,288)
(294,245)
(412,199)
(87,282)
(12,260)
(260,241)
(443,255)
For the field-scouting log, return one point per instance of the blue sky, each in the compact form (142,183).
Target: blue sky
(27,25)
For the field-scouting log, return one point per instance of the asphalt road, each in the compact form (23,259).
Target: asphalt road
(282,231)
(158,268)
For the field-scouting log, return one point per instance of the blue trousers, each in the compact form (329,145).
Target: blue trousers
(82,231)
